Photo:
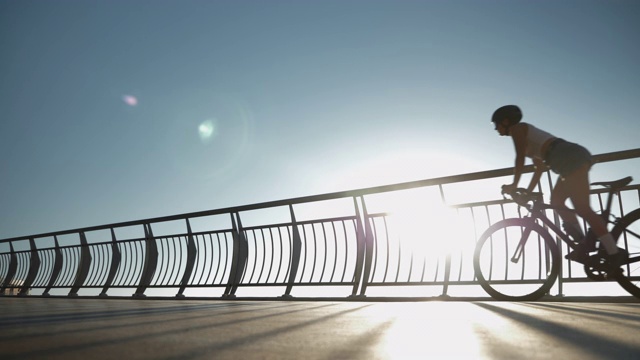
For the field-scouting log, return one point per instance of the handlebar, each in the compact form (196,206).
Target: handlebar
(523,197)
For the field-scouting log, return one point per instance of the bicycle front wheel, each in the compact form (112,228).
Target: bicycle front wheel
(627,234)
(516,260)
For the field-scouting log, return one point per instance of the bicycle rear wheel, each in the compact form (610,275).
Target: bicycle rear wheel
(627,234)
(531,276)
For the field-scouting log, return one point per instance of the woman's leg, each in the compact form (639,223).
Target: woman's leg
(561,191)
(576,186)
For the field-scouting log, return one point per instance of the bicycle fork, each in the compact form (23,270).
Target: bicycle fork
(524,236)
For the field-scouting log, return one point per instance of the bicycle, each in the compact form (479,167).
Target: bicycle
(535,257)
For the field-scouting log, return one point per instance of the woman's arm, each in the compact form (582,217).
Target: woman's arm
(539,167)
(518,133)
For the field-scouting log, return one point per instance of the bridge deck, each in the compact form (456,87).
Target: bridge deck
(36,328)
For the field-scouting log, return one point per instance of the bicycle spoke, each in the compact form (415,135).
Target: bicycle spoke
(536,263)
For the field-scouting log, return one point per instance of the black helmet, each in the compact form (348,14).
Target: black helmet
(510,112)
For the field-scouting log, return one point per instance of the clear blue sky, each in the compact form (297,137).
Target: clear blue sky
(248,101)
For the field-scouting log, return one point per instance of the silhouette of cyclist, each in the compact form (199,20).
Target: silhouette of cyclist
(572,163)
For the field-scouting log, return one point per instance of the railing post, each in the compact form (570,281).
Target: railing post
(361,248)
(150,262)
(368,247)
(84,265)
(57,267)
(239,261)
(234,258)
(447,274)
(296,243)
(34,267)
(447,261)
(192,252)
(556,220)
(115,263)
(13,266)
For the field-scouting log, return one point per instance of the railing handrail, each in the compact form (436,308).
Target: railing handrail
(301,251)
(600,158)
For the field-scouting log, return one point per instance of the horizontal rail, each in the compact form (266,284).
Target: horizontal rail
(355,251)
(601,158)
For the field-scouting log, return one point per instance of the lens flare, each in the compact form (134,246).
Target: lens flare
(206,130)
(130,100)
(211,136)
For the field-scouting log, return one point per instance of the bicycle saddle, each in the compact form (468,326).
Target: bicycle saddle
(614,184)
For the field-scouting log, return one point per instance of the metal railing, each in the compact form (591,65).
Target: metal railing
(422,244)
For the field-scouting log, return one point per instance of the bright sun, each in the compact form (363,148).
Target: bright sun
(418,218)
(422,222)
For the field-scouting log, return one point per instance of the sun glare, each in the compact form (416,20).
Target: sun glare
(423,224)
(421,333)
(401,166)
(419,218)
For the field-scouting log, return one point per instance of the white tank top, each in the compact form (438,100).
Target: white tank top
(535,139)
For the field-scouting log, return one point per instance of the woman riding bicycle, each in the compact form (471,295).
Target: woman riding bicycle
(570,161)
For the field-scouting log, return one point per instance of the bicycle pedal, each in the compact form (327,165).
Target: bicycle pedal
(578,256)
(586,246)
(613,274)
(618,259)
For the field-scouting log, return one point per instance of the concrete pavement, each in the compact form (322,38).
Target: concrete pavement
(38,328)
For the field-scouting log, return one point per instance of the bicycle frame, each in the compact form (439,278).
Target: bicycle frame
(536,212)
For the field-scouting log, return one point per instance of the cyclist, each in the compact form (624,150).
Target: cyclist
(572,163)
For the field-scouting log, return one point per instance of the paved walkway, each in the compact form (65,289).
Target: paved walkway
(37,328)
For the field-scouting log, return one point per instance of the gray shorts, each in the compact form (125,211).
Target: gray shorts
(564,157)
